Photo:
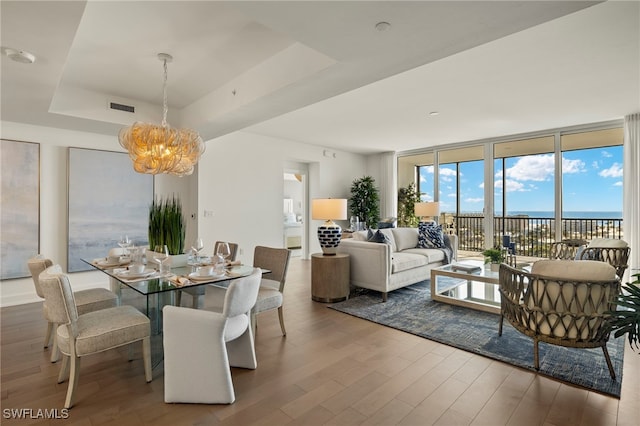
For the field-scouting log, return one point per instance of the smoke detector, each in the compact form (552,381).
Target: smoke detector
(20,56)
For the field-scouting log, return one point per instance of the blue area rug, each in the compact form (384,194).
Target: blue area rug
(411,309)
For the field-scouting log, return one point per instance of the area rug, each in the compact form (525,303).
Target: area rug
(411,309)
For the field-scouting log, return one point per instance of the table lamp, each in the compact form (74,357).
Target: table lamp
(329,233)
(431,209)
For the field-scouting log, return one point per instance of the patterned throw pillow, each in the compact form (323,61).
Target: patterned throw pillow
(378,237)
(430,235)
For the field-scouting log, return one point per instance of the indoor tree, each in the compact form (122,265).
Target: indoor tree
(407,197)
(365,201)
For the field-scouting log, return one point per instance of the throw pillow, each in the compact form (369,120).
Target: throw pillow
(430,235)
(378,237)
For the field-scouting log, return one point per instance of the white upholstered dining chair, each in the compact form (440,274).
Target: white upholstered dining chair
(90,333)
(93,299)
(200,346)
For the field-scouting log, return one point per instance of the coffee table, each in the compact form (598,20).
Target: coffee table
(476,290)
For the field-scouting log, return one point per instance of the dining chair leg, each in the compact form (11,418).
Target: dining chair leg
(73,381)
(254,323)
(64,369)
(608,359)
(281,318)
(49,335)
(55,352)
(146,356)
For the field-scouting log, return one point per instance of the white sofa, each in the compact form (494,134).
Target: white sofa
(387,267)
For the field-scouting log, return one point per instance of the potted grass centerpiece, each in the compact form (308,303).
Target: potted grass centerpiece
(493,256)
(167,227)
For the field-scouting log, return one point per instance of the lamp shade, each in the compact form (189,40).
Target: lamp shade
(329,234)
(431,209)
(329,209)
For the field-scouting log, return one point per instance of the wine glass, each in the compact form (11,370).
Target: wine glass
(197,247)
(223,250)
(124,242)
(160,255)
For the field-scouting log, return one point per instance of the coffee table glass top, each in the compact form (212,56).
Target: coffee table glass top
(476,289)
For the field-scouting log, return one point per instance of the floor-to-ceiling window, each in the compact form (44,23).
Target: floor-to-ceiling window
(524,188)
(563,185)
(592,184)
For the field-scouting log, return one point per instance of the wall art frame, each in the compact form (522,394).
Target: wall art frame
(106,199)
(20,213)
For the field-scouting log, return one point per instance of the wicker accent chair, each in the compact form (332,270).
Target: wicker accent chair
(613,251)
(566,249)
(90,333)
(561,302)
(201,345)
(198,292)
(89,300)
(272,284)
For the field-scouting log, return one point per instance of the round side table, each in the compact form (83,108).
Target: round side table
(330,277)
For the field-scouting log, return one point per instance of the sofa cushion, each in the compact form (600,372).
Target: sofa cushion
(430,235)
(405,238)
(402,261)
(377,237)
(432,255)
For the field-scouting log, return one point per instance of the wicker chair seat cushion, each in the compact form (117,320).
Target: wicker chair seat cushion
(608,243)
(569,302)
(105,329)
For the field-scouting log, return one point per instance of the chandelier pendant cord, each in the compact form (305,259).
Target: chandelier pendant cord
(164,95)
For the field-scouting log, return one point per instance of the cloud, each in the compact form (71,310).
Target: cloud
(512,186)
(540,168)
(474,200)
(447,172)
(595,165)
(619,183)
(606,154)
(615,171)
(452,195)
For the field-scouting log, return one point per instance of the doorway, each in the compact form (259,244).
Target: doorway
(295,235)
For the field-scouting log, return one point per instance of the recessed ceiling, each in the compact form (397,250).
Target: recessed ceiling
(320,72)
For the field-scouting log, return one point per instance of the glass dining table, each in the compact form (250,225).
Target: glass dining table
(149,291)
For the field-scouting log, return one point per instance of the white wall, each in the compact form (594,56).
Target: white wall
(53,200)
(240,180)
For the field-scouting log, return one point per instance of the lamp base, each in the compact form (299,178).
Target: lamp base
(329,236)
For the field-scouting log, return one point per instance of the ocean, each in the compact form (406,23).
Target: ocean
(568,215)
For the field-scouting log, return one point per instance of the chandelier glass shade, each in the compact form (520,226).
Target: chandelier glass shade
(156,149)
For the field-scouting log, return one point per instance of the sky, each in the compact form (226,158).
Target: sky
(592,181)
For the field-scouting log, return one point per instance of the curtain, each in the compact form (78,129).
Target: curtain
(388,185)
(631,186)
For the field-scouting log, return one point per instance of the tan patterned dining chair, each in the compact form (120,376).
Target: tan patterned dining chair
(198,292)
(89,300)
(272,284)
(200,346)
(89,333)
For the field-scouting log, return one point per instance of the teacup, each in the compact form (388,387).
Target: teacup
(136,268)
(205,271)
(113,259)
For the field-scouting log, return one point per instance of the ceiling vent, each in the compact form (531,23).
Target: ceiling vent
(122,107)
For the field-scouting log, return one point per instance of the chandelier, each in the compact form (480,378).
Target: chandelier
(162,149)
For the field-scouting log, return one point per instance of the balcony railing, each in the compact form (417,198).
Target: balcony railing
(532,236)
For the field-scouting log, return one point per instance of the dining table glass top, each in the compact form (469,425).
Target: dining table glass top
(150,281)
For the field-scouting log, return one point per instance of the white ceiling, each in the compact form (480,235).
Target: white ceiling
(320,72)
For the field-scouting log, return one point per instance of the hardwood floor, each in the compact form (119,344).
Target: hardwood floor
(331,369)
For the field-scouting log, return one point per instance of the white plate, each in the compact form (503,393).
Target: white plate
(131,275)
(195,277)
(106,263)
